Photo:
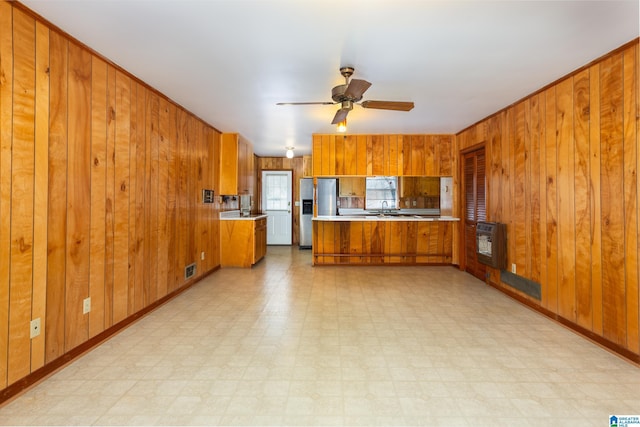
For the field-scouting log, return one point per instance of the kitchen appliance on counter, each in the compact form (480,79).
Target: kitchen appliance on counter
(306,212)
(327,197)
(245,205)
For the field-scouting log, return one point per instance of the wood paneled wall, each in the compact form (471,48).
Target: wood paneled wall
(296,165)
(562,173)
(100,194)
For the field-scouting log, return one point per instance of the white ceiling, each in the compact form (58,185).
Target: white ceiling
(230,61)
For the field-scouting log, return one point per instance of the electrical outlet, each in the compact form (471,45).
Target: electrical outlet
(34,328)
(86,305)
(202,255)
(415,202)
(513,268)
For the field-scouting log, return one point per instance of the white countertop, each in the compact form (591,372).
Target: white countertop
(384,218)
(235,215)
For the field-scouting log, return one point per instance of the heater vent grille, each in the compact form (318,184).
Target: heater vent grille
(190,271)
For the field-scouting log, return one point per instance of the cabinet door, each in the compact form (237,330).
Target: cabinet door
(259,240)
(346,187)
(229,163)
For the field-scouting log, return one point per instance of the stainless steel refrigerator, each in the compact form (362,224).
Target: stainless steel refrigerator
(306,212)
(327,196)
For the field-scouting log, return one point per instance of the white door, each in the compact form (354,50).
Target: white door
(276,203)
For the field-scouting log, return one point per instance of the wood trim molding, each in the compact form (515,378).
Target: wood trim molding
(38,375)
(596,339)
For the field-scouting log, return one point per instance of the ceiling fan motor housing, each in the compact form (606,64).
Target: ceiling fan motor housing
(337,94)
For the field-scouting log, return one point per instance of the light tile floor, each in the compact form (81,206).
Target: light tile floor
(287,344)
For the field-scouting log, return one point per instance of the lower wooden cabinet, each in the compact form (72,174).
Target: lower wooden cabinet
(260,239)
(382,242)
(243,242)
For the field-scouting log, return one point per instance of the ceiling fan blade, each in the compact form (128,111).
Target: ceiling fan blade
(341,114)
(356,88)
(306,103)
(388,105)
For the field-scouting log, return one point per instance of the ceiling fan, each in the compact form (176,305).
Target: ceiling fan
(351,93)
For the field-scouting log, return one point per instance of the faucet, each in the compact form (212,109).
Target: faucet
(384,202)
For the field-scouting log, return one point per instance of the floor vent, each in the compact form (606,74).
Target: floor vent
(527,286)
(190,271)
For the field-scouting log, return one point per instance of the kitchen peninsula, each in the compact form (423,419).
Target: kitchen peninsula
(382,240)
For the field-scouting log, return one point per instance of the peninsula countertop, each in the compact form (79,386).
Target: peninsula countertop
(384,218)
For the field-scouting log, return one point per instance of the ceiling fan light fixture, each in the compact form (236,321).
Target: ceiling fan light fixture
(289,152)
(342,126)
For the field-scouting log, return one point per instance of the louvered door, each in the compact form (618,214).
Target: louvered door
(475,208)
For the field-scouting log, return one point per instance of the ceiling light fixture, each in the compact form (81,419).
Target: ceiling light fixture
(289,152)
(342,126)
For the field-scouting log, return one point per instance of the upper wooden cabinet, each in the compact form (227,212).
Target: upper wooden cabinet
(419,186)
(373,155)
(236,165)
(352,187)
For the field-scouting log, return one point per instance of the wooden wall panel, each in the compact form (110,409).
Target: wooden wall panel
(350,155)
(172,282)
(78,197)
(133,185)
(377,155)
(595,201)
(82,164)
(6,135)
(518,230)
(577,190)
(391,141)
(138,153)
(316,147)
(22,189)
(98,194)
(361,159)
(121,198)
(536,140)
(151,198)
(566,211)
(582,198)
(164,138)
(612,175)
(417,155)
(57,212)
(340,155)
(40,198)
(550,292)
(429,155)
(630,183)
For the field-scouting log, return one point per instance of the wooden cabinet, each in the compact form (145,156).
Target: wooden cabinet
(382,242)
(236,165)
(352,187)
(243,242)
(259,239)
(307,167)
(374,155)
(420,186)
